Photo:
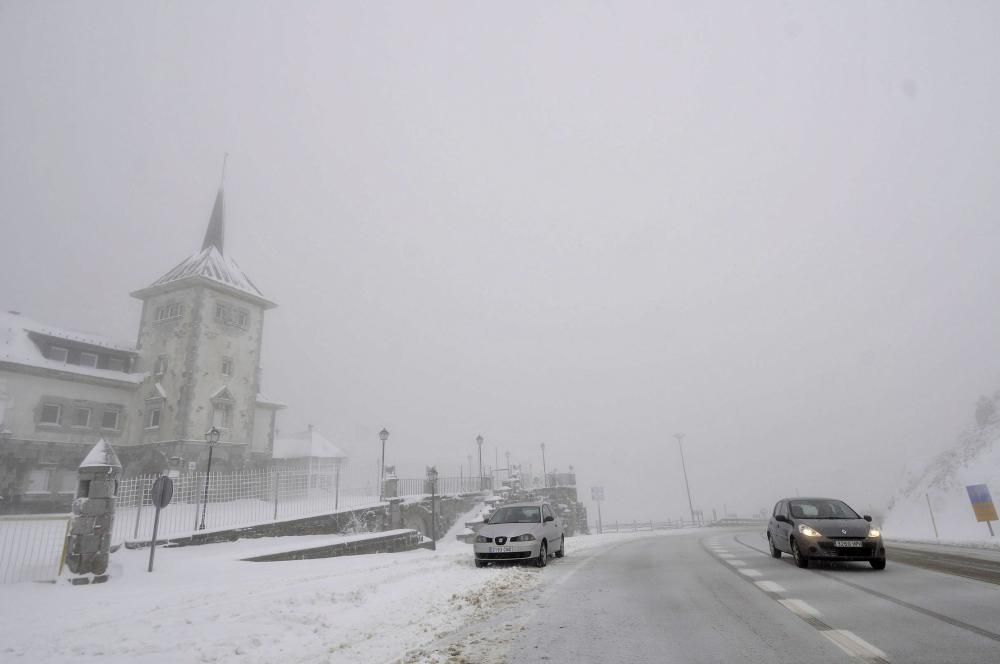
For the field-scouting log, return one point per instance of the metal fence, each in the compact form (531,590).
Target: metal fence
(32,547)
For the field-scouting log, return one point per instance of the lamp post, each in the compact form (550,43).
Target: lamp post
(383,435)
(545,476)
(212,436)
(687,487)
(432,475)
(471,474)
(479,441)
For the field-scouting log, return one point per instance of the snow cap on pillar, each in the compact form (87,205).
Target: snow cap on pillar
(102,456)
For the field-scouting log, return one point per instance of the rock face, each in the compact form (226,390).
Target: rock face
(89,546)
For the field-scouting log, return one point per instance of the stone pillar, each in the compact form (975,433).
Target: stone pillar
(395,515)
(89,545)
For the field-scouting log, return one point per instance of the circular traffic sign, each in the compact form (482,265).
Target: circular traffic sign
(162,491)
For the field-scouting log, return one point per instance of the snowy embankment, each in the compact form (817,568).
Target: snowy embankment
(204,604)
(974,460)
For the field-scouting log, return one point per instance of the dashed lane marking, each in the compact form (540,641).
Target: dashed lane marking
(797,606)
(736,563)
(770,586)
(750,572)
(854,645)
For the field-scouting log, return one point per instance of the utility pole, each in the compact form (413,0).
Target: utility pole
(687,487)
(545,475)
(479,442)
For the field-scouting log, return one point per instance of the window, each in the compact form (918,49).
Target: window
(116,364)
(242,318)
(168,311)
(161,365)
(222,415)
(227,367)
(88,360)
(51,413)
(81,417)
(221,313)
(109,420)
(58,354)
(153,422)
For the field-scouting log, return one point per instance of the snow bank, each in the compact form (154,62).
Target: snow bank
(974,460)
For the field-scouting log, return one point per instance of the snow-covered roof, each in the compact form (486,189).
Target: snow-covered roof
(264,401)
(209,264)
(17,347)
(306,444)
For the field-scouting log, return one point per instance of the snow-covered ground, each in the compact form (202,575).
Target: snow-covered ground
(975,459)
(204,604)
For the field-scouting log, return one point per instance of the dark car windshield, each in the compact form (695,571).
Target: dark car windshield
(517,515)
(822,509)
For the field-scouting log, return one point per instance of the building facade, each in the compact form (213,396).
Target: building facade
(195,365)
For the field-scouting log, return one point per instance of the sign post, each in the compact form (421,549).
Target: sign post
(161,493)
(597,495)
(982,504)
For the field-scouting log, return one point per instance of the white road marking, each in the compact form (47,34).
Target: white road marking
(750,572)
(726,555)
(799,607)
(852,644)
(737,563)
(770,586)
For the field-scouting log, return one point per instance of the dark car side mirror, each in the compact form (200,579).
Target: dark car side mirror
(867,518)
(782,518)
(549,518)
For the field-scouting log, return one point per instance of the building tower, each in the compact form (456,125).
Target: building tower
(199,342)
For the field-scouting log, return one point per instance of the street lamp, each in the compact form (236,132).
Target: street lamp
(383,436)
(212,436)
(432,475)
(545,476)
(687,487)
(479,441)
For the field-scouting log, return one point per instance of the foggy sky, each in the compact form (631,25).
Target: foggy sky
(770,226)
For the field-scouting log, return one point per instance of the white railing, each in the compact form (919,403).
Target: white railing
(236,499)
(32,547)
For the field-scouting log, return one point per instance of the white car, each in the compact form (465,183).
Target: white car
(521,531)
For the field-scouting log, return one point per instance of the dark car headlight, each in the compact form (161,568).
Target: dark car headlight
(480,539)
(527,537)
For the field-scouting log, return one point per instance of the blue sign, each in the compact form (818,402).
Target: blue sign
(979,493)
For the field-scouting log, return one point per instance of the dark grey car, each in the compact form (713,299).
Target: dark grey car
(823,529)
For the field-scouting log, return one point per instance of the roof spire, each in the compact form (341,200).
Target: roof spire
(215,235)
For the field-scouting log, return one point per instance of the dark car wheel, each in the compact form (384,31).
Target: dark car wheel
(543,556)
(775,552)
(800,559)
(877,563)
(562,548)
(480,563)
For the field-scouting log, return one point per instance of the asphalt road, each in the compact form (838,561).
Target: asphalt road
(718,597)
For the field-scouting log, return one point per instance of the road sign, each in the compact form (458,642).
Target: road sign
(982,503)
(160,494)
(162,491)
(597,493)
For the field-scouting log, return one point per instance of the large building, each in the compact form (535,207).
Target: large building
(195,364)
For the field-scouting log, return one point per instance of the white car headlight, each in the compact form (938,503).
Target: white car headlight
(482,540)
(808,532)
(527,537)
(874,532)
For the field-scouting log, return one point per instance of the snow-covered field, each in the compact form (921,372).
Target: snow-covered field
(203,604)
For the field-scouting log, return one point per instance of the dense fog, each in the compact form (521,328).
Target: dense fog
(766,226)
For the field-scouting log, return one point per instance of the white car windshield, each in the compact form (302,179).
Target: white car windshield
(527,514)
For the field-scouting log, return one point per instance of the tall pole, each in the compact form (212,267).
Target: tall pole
(545,474)
(687,487)
(212,436)
(600,522)
(507,454)
(479,441)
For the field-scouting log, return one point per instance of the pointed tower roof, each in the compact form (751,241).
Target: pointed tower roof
(215,234)
(100,456)
(209,265)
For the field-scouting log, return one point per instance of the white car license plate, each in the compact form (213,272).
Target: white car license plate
(501,549)
(848,543)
